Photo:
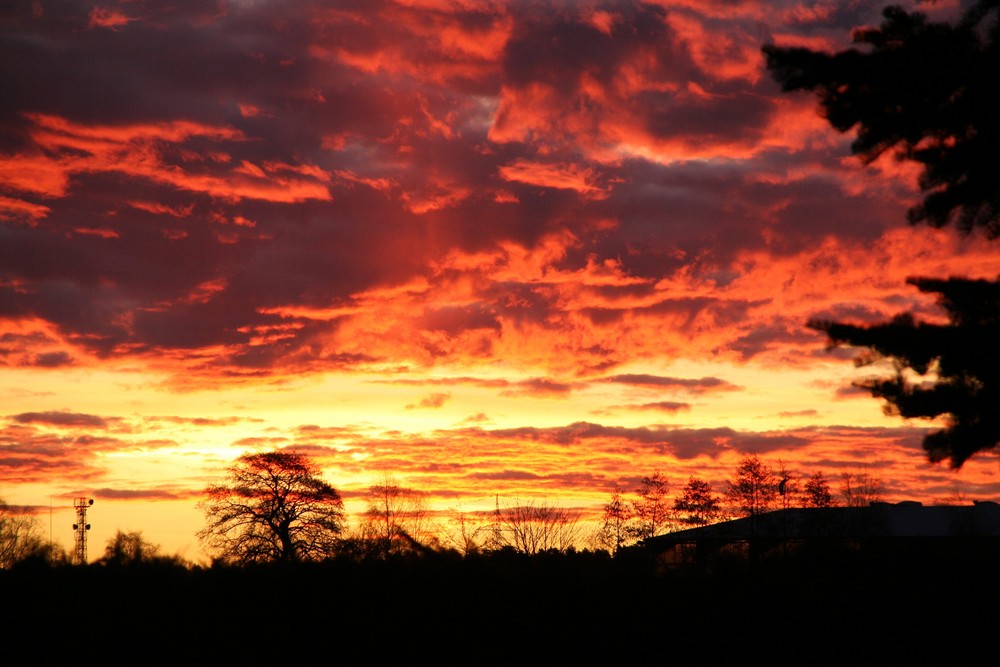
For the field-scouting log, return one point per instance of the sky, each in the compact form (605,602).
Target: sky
(493,249)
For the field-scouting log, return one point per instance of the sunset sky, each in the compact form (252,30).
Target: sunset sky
(491,248)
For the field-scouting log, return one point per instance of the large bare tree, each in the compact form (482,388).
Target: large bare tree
(273,507)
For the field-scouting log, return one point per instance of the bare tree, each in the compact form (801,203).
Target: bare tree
(396,519)
(956,497)
(651,510)
(20,535)
(468,531)
(860,489)
(273,507)
(616,529)
(534,526)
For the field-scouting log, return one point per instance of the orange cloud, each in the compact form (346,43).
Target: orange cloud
(137,150)
(435,400)
(563,176)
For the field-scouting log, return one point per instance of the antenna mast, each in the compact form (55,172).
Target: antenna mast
(80,528)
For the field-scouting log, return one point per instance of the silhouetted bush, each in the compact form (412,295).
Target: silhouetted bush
(496,607)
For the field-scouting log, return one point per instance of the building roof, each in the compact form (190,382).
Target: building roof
(878,520)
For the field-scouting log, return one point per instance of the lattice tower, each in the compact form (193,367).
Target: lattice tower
(80,528)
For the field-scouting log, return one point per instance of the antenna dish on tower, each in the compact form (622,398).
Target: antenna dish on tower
(80,528)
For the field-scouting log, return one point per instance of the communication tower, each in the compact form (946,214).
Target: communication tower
(80,528)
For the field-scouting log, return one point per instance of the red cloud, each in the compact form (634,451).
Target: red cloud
(137,150)
(563,176)
(104,17)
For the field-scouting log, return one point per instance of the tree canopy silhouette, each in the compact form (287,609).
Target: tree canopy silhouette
(20,534)
(698,505)
(753,488)
(274,507)
(926,91)
(960,357)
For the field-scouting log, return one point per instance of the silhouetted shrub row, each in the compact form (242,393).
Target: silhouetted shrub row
(493,608)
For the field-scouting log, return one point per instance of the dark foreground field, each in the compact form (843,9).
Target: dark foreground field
(830,607)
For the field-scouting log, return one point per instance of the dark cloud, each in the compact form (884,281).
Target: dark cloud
(453,320)
(52,359)
(764,338)
(136,494)
(799,413)
(505,475)
(693,385)
(62,419)
(851,391)
(664,406)
(493,383)
(28,455)
(545,387)
(683,443)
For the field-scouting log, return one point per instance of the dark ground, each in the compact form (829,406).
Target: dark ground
(824,607)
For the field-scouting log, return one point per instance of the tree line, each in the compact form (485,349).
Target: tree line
(755,488)
(275,507)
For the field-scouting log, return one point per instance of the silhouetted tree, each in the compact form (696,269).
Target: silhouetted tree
(468,531)
(651,509)
(754,487)
(817,491)
(926,91)
(534,526)
(273,507)
(130,548)
(20,535)
(616,523)
(697,505)
(957,372)
(395,518)
(860,489)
